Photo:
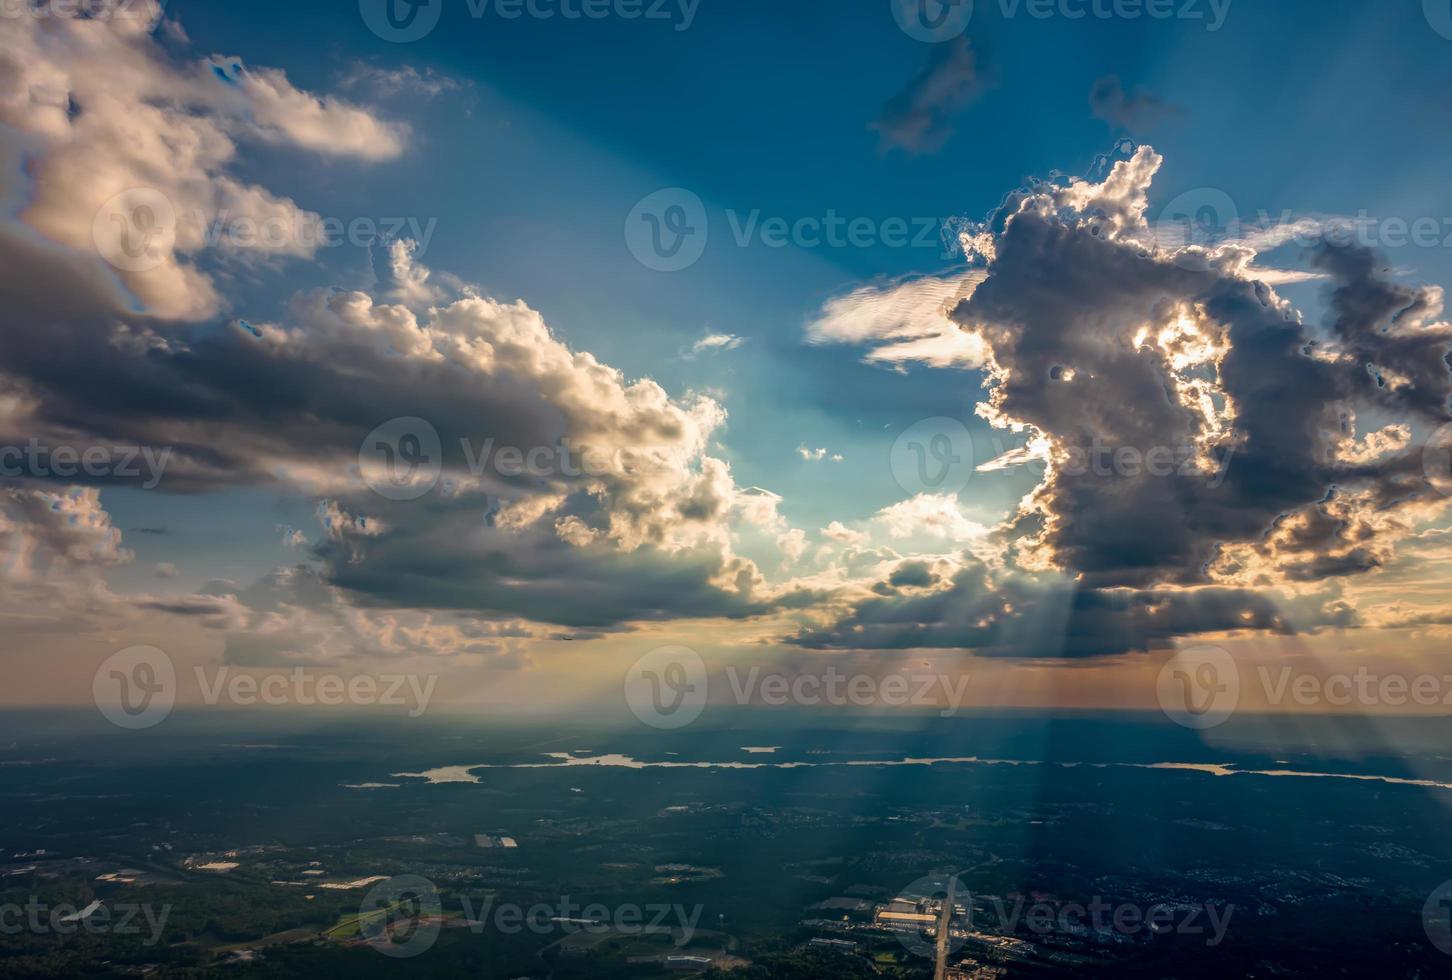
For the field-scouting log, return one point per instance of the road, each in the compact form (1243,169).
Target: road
(943,920)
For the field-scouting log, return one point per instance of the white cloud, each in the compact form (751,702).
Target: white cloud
(935,515)
(716,342)
(810,455)
(129,152)
(903,323)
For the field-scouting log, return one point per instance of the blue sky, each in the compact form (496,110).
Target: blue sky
(765,107)
(529,141)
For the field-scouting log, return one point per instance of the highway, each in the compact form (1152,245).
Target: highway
(943,920)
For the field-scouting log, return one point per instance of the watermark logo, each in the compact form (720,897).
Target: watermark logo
(288,234)
(401,21)
(135,231)
(401,917)
(1196,221)
(96,919)
(932,21)
(666,231)
(1199,688)
(1437,459)
(668,687)
(304,688)
(923,914)
(402,458)
(1363,687)
(142,465)
(943,20)
(917,689)
(135,688)
(1105,460)
(833,230)
(571,917)
(933,456)
(140,11)
(1439,16)
(1437,917)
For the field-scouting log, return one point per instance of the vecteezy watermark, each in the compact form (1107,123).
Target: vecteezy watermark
(934,21)
(1362,687)
(139,11)
(285,233)
(933,455)
(937,914)
(401,21)
(1104,460)
(670,687)
(915,689)
(1204,217)
(1207,217)
(1202,687)
(143,465)
(402,917)
(1437,917)
(666,231)
(99,918)
(1199,688)
(833,230)
(135,231)
(570,917)
(1363,228)
(1437,459)
(402,459)
(929,916)
(306,688)
(136,688)
(1439,16)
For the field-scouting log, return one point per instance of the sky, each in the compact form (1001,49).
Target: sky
(1031,342)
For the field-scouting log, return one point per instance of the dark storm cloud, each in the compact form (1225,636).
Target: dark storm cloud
(1108,346)
(231,407)
(1064,294)
(1378,321)
(913,573)
(1023,618)
(290,407)
(451,559)
(919,118)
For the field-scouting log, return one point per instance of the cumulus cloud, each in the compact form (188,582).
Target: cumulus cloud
(1023,617)
(129,151)
(56,546)
(1100,339)
(628,514)
(50,533)
(281,113)
(937,515)
(620,514)
(1210,459)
